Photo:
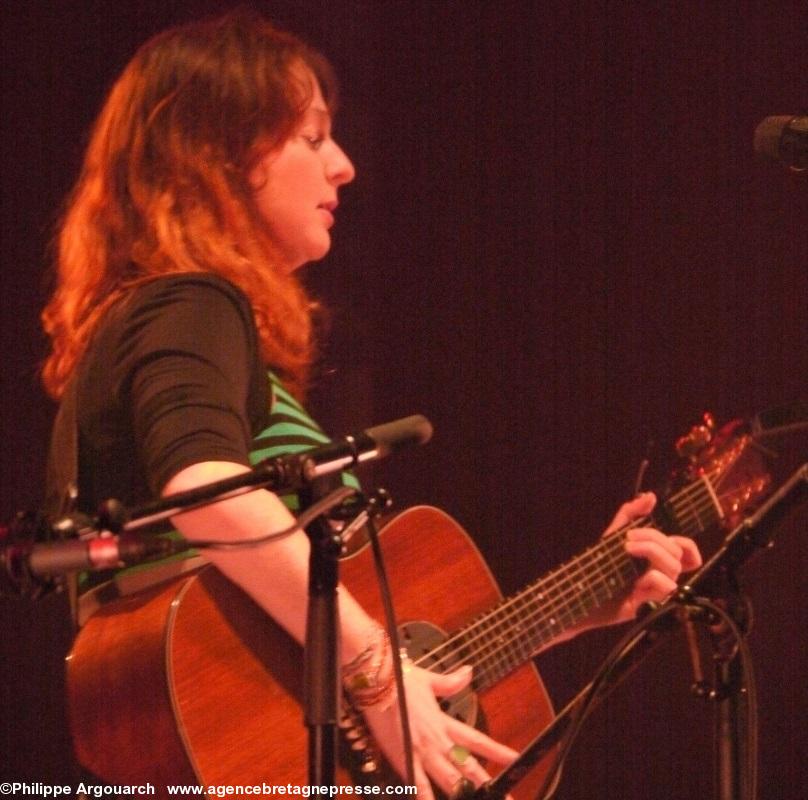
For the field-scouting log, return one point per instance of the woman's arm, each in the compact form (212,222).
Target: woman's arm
(275,575)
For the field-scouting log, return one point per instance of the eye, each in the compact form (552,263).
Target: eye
(314,141)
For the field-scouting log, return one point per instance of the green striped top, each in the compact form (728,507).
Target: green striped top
(290,430)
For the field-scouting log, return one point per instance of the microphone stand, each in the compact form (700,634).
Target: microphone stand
(747,538)
(720,575)
(321,651)
(26,562)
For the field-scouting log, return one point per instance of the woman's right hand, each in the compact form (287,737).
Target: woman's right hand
(443,747)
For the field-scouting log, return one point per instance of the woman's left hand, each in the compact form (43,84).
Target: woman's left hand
(667,556)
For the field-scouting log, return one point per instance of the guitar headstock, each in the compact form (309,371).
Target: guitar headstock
(723,476)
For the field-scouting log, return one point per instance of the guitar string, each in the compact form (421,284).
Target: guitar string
(489,650)
(516,641)
(563,607)
(722,472)
(576,565)
(496,656)
(684,507)
(500,658)
(542,623)
(494,618)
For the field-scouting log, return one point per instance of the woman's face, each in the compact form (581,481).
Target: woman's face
(296,186)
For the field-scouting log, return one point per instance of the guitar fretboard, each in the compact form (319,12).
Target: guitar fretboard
(516,628)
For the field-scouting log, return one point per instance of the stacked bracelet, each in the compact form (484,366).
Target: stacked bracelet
(368,678)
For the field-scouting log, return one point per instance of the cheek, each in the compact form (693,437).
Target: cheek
(273,206)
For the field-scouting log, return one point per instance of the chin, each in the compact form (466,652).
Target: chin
(308,259)
(319,249)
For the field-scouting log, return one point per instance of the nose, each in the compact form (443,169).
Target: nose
(340,169)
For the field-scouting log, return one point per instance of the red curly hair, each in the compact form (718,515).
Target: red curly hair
(164,187)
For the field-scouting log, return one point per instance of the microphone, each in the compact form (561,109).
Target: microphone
(32,569)
(102,552)
(23,558)
(377,442)
(784,139)
(51,559)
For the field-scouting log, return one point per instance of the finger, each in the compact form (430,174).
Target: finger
(654,585)
(660,551)
(447,771)
(479,743)
(640,506)
(444,771)
(657,557)
(670,543)
(422,784)
(473,770)
(691,556)
(449,683)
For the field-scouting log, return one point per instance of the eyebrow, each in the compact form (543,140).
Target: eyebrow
(320,111)
(323,115)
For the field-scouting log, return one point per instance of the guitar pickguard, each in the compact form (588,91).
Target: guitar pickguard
(421,639)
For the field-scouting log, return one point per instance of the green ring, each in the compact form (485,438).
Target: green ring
(458,754)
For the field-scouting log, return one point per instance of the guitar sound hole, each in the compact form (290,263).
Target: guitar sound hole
(422,641)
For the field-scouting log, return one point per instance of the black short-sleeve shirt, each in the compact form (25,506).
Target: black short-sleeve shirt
(172,377)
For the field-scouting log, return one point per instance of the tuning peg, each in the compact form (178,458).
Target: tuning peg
(699,436)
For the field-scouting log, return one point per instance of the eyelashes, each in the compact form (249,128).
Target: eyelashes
(315,142)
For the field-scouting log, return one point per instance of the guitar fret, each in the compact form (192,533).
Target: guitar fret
(544,610)
(488,649)
(623,567)
(497,654)
(518,629)
(518,626)
(603,590)
(587,597)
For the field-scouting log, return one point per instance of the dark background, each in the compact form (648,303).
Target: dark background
(559,247)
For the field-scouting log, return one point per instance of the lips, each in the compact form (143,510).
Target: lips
(328,211)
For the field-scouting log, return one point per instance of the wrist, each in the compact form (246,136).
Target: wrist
(368,678)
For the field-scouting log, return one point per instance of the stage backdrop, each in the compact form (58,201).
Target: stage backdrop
(558,246)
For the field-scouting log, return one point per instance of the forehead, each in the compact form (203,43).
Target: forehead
(316,102)
(305,80)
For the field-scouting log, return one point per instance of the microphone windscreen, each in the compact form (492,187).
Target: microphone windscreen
(392,436)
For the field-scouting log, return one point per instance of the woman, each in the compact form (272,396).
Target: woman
(210,178)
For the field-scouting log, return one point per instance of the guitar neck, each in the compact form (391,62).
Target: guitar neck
(516,628)
(519,626)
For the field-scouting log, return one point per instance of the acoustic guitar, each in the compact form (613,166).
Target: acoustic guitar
(189,682)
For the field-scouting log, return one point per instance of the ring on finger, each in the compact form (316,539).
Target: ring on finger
(458,754)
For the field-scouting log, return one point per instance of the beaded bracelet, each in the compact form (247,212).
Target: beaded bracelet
(369,678)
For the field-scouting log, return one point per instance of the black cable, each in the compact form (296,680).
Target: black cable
(395,645)
(619,652)
(315,510)
(590,694)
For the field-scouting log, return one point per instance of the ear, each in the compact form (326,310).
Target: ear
(258,174)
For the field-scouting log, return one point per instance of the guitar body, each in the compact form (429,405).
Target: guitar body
(190,682)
